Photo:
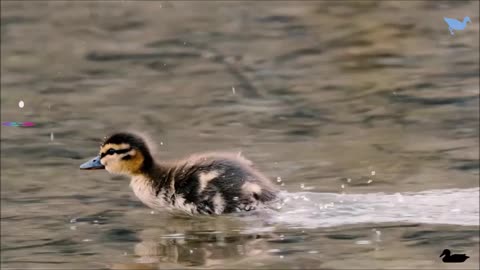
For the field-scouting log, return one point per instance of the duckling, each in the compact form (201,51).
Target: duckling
(208,183)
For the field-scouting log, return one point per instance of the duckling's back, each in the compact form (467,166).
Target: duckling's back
(219,183)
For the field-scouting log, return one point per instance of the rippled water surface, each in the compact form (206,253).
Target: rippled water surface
(365,113)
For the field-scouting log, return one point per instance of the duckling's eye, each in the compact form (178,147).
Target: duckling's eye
(110,151)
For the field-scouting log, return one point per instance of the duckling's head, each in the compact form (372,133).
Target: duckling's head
(122,153)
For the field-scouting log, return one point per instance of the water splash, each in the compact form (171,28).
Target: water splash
(312,210)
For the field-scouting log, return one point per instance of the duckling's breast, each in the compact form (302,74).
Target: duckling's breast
(162,199)
(146,193)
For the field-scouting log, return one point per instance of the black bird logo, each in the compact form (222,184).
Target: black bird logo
(455,258)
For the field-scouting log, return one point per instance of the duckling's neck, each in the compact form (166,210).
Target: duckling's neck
(149,184)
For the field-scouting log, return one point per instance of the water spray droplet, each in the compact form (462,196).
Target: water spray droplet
(363,242)
(399,197)
(304,187)
(377,235)
(279,179)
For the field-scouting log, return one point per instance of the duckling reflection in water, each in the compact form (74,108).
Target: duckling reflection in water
(209,184)
(197,249)
(201,250)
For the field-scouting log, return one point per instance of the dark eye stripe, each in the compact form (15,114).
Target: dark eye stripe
(112,151)
(121,151)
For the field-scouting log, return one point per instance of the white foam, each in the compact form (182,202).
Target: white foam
(311,210)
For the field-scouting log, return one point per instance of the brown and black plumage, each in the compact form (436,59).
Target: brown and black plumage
(209,183)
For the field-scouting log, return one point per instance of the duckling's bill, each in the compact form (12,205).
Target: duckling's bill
(93,164)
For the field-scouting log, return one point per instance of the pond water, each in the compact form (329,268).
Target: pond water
(365,113)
